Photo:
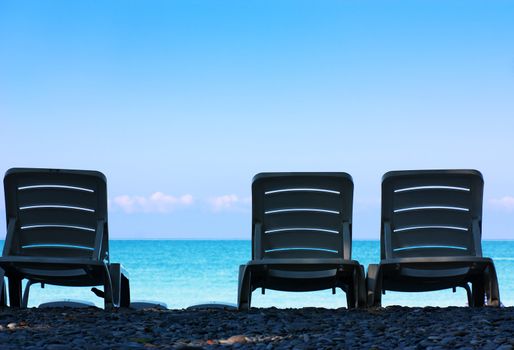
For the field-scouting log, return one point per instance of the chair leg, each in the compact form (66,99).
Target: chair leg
(108,290)
(125,291)
(120,286)
(350,296)
(14,291)
(478,292)
(469,294)
(491,286)
(374,286)
(26,292)
(115,274)
(361,298)
(352,291)
(244,296)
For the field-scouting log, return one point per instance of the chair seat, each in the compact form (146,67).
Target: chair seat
(306,269)
(437,260)
(315,264)
(436,267)
(302,274)
(57,271)
(429,274)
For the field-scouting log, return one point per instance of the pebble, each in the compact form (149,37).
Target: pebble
(504,347)
(265,329)
(235,339)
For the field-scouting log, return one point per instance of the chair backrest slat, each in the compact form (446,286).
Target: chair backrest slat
(49,215)
(431,212)
(301,214)
(46,237)
(51,195)
(56,211)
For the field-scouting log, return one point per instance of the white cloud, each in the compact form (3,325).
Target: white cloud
(229,202)
(157,202)
(504,203)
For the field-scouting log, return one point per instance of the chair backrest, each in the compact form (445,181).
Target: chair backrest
(56,213)
(302,215)
(430,213)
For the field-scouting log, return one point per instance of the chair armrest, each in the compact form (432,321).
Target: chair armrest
(257,241)
(387,240)
(347,241)
(9,237)
(98,239)
(477,237)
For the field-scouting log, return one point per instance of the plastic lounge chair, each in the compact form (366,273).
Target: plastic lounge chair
(302,236)
(57,234)
(431,236)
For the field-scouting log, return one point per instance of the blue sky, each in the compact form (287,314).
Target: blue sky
(180,103)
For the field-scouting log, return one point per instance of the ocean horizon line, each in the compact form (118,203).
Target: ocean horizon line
(249,239)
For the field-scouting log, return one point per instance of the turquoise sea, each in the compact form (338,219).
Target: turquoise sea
(181,273)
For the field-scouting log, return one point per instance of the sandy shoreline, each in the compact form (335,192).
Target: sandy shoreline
(308,328)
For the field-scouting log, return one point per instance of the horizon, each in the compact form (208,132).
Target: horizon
(181,103)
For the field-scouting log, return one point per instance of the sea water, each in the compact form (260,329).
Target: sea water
(181,273)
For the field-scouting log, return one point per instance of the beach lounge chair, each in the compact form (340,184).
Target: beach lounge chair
(302,236)
(57,234)
(431,236)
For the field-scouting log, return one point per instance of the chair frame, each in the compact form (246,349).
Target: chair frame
(305,273)
(437,272)
(55,270)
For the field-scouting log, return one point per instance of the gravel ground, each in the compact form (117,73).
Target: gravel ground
(308,328)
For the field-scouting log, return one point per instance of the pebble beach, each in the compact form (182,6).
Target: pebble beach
(392,327)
